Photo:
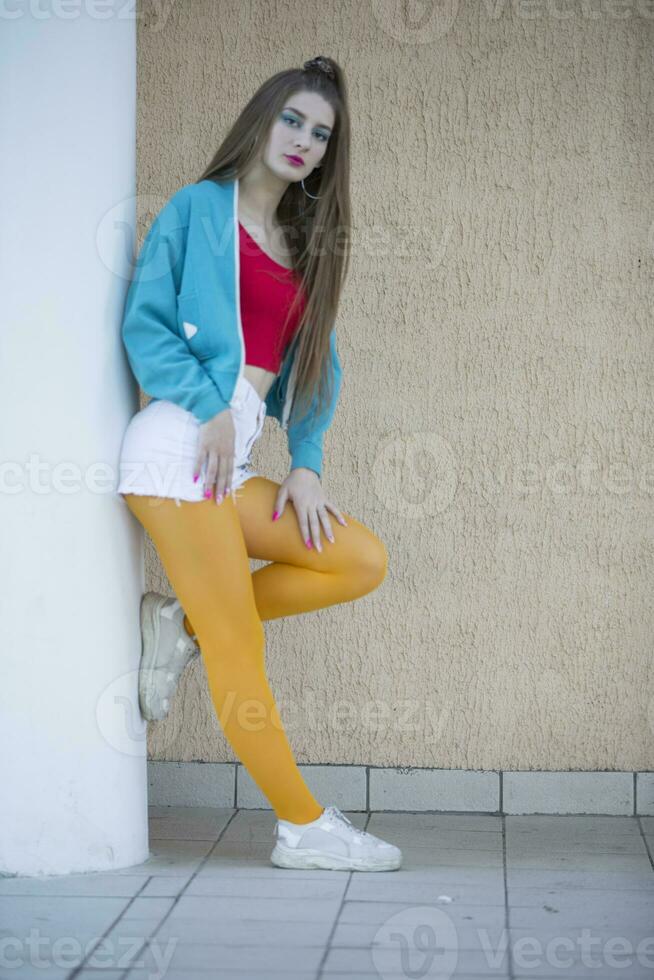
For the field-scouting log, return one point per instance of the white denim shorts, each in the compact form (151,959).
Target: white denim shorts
(160,445)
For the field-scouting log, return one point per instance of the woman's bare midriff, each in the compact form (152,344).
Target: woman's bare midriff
(260,379)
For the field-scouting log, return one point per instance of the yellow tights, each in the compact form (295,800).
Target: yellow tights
(204,549)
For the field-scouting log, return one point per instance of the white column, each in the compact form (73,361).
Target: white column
(73,783)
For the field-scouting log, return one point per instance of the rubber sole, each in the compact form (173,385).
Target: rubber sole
(150,605)
(307,859)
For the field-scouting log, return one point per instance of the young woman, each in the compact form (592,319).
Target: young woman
(229,318)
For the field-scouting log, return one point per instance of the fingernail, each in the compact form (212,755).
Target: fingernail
(275,515)
(308,542)
(207,493)
(344,523)
(219,498)
(331,539)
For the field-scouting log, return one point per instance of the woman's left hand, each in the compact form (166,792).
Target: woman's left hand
(303,487)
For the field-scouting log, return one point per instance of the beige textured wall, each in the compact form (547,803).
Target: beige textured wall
(495,424)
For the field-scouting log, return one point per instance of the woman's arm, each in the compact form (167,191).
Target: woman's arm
(306,437)
(159,356)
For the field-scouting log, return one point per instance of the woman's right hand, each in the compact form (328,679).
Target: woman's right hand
(216,447)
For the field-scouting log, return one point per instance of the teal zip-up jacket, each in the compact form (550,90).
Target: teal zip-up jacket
(182,325)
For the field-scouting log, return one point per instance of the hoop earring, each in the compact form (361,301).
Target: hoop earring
(315,197)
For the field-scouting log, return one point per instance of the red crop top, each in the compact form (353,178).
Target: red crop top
(267,291)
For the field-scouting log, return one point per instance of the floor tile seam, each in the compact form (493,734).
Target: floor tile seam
(179,895)
(112,926)
(507,908)
(648,847)
(328,944)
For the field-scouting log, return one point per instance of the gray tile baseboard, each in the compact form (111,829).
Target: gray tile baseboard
(407,789)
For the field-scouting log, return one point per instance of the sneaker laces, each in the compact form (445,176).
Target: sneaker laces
(336,814)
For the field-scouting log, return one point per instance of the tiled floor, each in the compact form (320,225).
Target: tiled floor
(477,896)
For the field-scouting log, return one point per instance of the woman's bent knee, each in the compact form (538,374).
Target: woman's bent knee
(372,562)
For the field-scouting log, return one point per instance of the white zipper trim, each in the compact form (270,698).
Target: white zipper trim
(237,272)
(290,387)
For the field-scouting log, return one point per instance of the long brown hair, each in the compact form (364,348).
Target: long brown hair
(317,232)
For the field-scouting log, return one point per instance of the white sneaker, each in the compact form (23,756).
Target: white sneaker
(332,842)
(167,649)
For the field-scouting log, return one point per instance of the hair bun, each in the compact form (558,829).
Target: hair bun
(322,64)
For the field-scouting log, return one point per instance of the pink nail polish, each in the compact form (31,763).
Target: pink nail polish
(308,543)
(275,515)
(195,478)
(207,493)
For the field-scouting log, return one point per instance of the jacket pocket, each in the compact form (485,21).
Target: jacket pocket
(197,334)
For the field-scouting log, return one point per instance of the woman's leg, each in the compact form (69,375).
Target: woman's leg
(301,579)
(202,548)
